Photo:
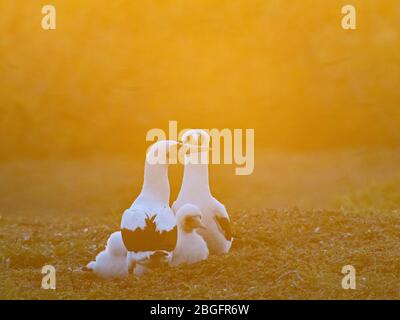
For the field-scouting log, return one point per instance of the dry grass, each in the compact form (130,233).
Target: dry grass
(61,213)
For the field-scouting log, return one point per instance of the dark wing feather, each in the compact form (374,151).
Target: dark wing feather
(225,226)
(149,239)
(169,239)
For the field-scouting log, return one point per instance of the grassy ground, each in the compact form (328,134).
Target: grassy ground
(61,212)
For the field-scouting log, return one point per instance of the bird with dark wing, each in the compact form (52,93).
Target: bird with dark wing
(148,227)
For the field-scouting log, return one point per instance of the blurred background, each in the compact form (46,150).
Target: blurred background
(76,102)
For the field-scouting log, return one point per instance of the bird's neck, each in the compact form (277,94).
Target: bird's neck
(195,180)
(185,236)
(156,185)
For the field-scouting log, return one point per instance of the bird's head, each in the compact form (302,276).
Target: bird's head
(197,139)
(163,152)
(189,218)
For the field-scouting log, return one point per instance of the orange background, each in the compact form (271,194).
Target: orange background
(114,69)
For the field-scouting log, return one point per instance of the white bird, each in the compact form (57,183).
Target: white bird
(195,189)
(190,247)
(111,262)
(148,227)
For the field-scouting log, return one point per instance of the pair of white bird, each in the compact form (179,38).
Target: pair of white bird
(152,232)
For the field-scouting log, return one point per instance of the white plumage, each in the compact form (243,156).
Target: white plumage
(190,247)
(195,189)
(148,227)
(111,262)
(149,233)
